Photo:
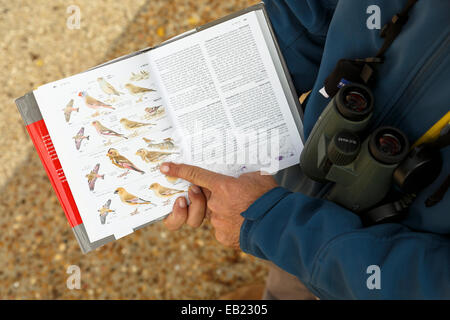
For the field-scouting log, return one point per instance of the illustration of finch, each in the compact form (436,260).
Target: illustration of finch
(154,111)
(104,131)
(93,176)
(68,110)
(120,161)
(94,103)
(104,211)
(130,199)
(79,137)
(153,156)
(163,192)
(131,125)
(142,75)
(172,180)
(107,87)
(138,91)
(167,144)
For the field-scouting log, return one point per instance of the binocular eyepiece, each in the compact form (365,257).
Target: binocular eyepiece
(355,103)
(336,151)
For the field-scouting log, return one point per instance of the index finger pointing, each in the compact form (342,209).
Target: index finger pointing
(201,177)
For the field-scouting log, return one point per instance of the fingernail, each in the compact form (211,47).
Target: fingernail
(182,203)
(195,189)
(164,168)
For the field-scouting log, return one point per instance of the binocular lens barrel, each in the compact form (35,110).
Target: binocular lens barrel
(388,145)
(355,103)
(347,114)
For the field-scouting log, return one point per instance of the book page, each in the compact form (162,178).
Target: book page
(225,96)
(110,130)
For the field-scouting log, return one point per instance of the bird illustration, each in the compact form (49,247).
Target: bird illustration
(68,110)
(104,211)
(94,103)
(154,111)
(153,156)
(142,75)
(104,131)
(120,161)
(172,180)
(130,199)
(163,192)
(93,176)
(138,91)
(79,137)
(167,144)
(107,87)
(131,125)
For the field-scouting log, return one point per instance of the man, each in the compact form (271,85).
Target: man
(322,244)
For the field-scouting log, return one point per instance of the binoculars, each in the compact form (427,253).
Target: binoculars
(338,150)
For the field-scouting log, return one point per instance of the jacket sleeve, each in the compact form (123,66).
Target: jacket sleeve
(329,250)
(301,27)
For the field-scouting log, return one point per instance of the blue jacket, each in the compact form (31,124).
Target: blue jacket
(321,243)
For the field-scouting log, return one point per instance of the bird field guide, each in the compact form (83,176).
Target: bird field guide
(219,97)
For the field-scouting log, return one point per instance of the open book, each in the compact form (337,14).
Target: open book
(219,97)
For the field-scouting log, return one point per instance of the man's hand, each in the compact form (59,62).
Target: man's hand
(224,198)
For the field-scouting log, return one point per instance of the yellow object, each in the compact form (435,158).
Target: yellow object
(161,32)
(193,20)
(433,133)
(304,96)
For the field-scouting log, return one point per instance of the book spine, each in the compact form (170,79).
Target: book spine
(46,151)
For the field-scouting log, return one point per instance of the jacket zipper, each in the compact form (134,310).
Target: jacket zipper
(422,75)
